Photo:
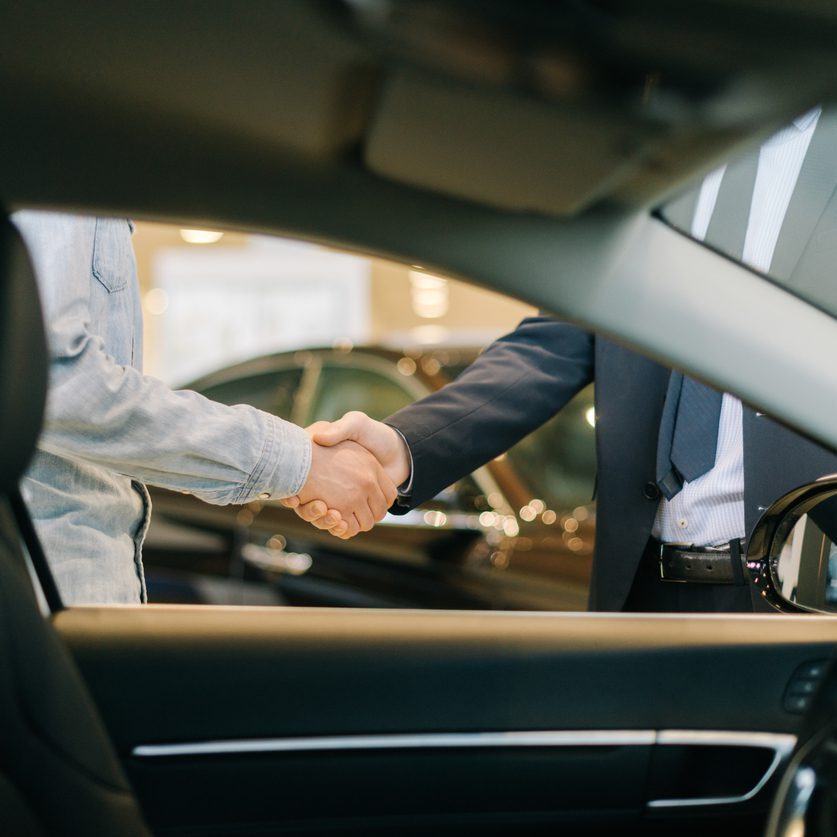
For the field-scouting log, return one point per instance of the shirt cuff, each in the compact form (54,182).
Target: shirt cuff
(285,463)
(406,487)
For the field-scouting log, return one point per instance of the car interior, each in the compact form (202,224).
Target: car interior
(525,147)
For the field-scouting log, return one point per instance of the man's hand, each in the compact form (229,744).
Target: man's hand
(381,440)
(378,438)
(347,484)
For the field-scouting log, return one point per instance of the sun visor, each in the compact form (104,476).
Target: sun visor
(492,147)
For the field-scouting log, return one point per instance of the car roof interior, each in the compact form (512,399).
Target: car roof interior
(520,146)
(548,108)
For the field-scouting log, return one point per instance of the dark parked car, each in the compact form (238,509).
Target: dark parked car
(517,534)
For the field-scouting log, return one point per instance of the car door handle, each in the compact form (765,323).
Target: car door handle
(276,560)
(434,519)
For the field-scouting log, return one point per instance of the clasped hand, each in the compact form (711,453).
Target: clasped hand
(356,464)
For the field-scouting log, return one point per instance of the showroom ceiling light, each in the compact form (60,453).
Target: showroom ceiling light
(428,294)
(201,236)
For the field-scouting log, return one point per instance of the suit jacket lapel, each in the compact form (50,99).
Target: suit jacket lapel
(814,189)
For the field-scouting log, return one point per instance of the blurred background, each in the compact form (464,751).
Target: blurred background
(211,299)
(307,333)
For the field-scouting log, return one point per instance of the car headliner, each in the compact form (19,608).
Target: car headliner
(520,146)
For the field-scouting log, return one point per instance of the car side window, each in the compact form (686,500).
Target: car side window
(789,185)
(272,392)
(343,388)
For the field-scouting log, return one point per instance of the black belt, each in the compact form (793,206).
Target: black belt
(701,564)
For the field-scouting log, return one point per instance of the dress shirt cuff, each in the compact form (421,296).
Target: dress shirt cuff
(406,487)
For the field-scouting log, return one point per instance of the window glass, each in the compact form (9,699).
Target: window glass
(238,311)
(344,388)
(774,207)
(272,392)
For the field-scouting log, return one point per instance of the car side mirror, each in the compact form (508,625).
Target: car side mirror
(793,550)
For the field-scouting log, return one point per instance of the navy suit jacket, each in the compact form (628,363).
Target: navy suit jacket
(526,377)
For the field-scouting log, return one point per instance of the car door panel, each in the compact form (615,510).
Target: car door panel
(372,718)
(383,793)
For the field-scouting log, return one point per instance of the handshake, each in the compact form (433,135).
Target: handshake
(356,465)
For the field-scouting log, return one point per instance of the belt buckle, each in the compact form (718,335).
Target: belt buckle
(675,573)
(661,565)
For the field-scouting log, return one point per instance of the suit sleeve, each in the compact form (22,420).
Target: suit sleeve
(512,388)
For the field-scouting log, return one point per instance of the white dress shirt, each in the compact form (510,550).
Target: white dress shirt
(710,509)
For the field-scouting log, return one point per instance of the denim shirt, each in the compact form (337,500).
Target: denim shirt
(109,429)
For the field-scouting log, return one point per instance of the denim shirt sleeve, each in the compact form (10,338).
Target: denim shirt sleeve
(103,410)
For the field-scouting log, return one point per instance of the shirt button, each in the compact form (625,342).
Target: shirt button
(264,496)
(682,523)
(651,491)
